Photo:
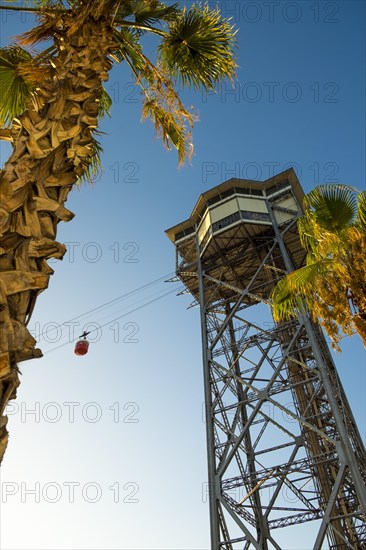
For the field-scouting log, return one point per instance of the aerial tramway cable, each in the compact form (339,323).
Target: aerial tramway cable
(105,305)
(113,301)
(121,297)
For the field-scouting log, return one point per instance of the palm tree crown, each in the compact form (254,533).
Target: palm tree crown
(196,49)
(332,284)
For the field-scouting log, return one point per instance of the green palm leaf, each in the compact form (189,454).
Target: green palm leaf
(198,50)
(307,232)
(302,280)
(292,290)
(15,89)
(173,123)
(285,302)
(93,166)
(334,206)
(146,12)
(169,127)
(105,103)
(362,211)
(129,49)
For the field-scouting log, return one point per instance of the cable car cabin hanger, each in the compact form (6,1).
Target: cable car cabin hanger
(82,345)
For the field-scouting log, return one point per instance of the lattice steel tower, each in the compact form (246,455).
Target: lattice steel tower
(283,446)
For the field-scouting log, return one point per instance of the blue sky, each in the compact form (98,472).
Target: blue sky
(123,425)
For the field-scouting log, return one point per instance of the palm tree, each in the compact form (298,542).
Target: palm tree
(332,284)
(51,102)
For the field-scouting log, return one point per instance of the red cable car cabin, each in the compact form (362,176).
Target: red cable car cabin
(81,347)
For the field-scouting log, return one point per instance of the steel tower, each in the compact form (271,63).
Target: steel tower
(283,447)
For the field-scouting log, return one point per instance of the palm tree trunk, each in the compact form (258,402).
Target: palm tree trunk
(52,144)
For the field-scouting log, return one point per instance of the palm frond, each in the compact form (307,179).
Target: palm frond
(44,31)
(15,88)
(105,103)
(334,206)
(308,234)
(294,289)
(285,302)
(146,12)
(93,168)
(198,50)
(170,128)
(173,123)
(161,12)
(361,217)
(303,280)
(129,49)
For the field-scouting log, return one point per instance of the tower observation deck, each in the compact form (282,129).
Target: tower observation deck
(282,444)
